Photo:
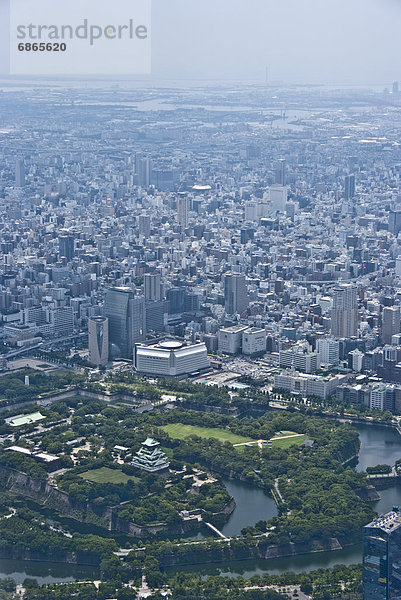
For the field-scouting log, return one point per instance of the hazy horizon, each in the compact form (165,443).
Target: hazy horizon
(338,42)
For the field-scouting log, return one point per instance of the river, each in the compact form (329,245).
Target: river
(378,445)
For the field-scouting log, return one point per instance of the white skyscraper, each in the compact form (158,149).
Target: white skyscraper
(344,314)
(278,197)
(328,350)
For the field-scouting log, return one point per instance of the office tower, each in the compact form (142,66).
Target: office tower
(155,315)
(144,225)
(191,302)
(344,315)
(164,179)
(394,222)
(256,209)
(349,187)
(152,286)
(66,246)
(61,320)
(235,293)
(144,172)
(98,328)
(391,320)
(382,558)
(290,210)
(247,235)
(278,197)
(182,210)
(19,173)
(127,320)
(280,172)
(176,299)
(328,350)
(395,88)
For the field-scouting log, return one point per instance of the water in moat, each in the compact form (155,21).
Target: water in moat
(45,572)
(378,445)
(253,505)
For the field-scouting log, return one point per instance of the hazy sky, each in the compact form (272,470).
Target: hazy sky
(299,40)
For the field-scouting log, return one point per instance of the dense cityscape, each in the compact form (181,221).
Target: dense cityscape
(200,300)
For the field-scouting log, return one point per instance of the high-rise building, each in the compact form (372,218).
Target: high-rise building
(235,293)
(391,321)
(144,172)
(280,172)
(328,350)
(396,88)
(176,300)
(144,225)
(152,286)
(278,197)
(61,321)
(254,341)
(19,173)
(349,187)
(183,209)
(66,246)
(247,235)
(98,328)
(156,312)
(344,314)
(382,558)
(127,320)
(398,266)
(394,222)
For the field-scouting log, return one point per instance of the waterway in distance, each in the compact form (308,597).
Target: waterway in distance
(378,445)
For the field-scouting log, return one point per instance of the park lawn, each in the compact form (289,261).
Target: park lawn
(286,442)
(106,475)
(180,432)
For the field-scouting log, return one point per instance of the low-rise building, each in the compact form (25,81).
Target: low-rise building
(171,358)
(306,384)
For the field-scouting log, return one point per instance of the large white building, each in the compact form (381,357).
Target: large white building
(230,339)
(254,341)
(256,209)
(328,350)
(171,358)
(307,385)
(300,357)
(278,197)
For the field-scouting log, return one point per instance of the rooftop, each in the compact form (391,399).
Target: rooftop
(387,522)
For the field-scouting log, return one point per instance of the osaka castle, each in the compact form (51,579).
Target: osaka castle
(150,458)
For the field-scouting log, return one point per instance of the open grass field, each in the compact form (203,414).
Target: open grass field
(106,475)
(286,442)
(180,432)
